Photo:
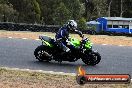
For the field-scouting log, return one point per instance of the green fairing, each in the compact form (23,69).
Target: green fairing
(75,42)
(47,43)
(88,45)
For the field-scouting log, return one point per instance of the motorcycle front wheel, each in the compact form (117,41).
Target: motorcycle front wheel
(92,58)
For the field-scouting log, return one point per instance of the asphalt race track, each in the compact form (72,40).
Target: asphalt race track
(18,53)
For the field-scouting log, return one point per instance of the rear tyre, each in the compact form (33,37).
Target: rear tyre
(42,53)
(92,58)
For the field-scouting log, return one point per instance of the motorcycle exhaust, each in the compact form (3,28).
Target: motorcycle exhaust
(47,54)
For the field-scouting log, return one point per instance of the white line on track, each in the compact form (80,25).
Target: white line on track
(37,39)
(48,72)
(104,44)
(9,37)
(24,38)
(92,43)
(121,45)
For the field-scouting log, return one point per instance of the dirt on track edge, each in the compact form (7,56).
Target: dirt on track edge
(10,78)
(96,39)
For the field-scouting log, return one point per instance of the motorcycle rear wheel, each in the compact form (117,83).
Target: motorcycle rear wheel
(41,53)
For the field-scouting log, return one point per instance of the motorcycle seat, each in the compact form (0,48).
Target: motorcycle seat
(46,38)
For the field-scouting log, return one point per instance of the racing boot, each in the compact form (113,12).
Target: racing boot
(66,49)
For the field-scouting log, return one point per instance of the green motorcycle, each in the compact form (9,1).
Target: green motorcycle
(50,50)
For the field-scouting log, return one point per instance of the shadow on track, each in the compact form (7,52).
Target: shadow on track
(68,67)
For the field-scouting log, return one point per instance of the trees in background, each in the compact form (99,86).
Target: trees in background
(82,24)
(7,13)
(28,10)
(111,8)
(59,11)
(61,14)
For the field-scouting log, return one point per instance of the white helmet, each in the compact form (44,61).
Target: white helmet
(72,24)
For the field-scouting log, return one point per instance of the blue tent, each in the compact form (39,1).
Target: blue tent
(94,23)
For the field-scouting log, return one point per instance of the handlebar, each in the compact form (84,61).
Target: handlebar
(83,40)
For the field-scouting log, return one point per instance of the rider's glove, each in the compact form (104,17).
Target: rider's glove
(68,42)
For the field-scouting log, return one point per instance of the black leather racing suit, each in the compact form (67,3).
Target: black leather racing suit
(62,35)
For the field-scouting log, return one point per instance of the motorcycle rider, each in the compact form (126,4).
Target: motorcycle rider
(62,36)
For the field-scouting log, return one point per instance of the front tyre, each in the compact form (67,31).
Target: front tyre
(92,58)
(42,53)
